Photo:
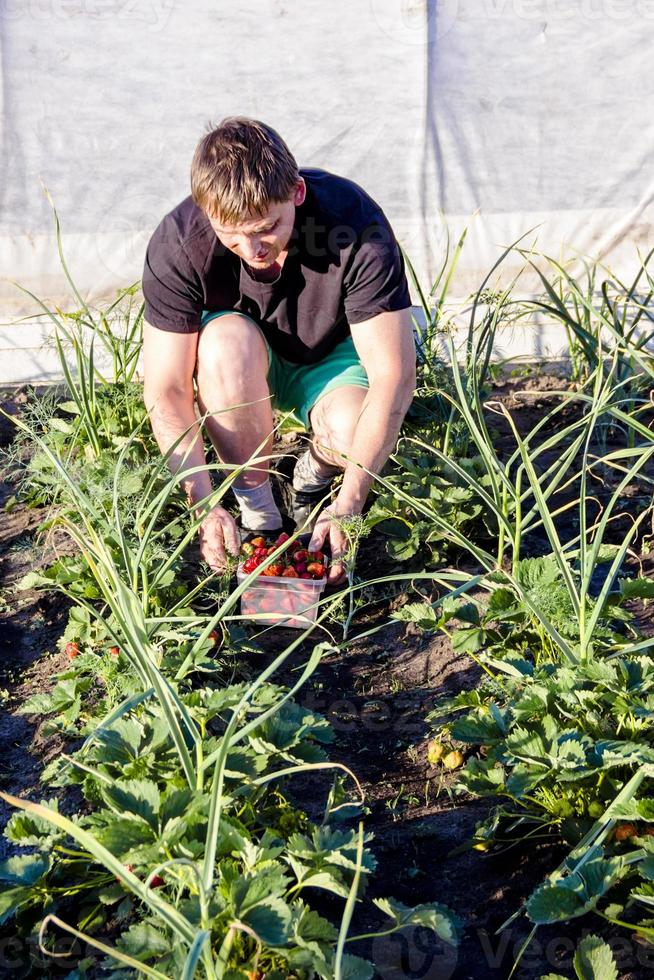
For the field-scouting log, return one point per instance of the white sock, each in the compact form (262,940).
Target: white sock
(259,512)
(308,476)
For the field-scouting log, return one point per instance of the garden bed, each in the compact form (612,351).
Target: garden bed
(376,693)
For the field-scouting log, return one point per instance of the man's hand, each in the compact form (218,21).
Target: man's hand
(218,535)
(328,529)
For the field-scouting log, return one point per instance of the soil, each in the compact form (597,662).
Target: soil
(376,693)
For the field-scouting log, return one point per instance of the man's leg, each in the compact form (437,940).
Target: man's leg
(333,419)
(232,370)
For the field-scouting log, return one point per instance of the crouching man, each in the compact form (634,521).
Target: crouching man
(275,287)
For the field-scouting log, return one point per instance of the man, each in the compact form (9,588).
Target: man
(270,281)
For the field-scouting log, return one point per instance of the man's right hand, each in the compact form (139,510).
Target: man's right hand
(218,535)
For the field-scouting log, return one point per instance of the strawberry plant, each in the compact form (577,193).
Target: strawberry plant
(410,534)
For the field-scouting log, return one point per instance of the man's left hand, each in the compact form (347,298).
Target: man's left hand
(327,529)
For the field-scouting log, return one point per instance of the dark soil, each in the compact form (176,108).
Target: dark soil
(376,693)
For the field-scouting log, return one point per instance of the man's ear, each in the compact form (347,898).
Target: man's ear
(300,192)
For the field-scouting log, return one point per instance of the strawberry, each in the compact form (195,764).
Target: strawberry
(213,636)
(283,537)
(271,550)
(156,881)
(301,567)
(316,556)
(127,867)
(624,831)
(72,650)
(435,751)
(261,553)
(301,555)
(304,575)
(249,565)
(290,573)
(316,569)
(247,549)
(258,542)
(276,569)
(114,651)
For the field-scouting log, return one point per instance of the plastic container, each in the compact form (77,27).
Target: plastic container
(277,601)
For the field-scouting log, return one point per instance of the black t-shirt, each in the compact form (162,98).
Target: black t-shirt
(343,266)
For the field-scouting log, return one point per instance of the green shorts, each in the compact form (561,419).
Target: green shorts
(296,388)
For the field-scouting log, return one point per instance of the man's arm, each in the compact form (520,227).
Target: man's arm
(169,365)
(386,348)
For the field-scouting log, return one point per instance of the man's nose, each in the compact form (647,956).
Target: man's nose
(251,248)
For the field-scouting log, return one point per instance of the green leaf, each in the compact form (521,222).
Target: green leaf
(594,960)
(24,869)
(138,796)
(124,835)
(26,829)
(420,613)
(70,407)
(402,550)
(436,917)
(553,903)
(142,941)
(271,920)
(356,968)
(533,572)
(60,425)
(469,640)
(308,926)
(327,881)
(636,588)
(479,728)
(523,779)
(11,899)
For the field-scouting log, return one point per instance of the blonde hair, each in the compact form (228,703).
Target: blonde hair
(240,168)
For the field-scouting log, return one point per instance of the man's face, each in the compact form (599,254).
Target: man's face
(260,239)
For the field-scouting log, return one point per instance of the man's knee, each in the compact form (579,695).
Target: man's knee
(334,422)
(230,348)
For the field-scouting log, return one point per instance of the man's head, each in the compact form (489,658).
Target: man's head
(246,180)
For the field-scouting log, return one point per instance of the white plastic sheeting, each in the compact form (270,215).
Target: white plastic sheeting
(502,115)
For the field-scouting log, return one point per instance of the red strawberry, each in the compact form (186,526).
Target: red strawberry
(316,555)
(282,538)
(316,569)
(156,882)
(290,573)
(276,569)
(114,651)
(271,550)
(261,553)
(72,650)
(304,575)
(127,867)
(213,636)
(301,555)
(301,567)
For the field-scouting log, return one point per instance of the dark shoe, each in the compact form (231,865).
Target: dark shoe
(303,503)
(288,525)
